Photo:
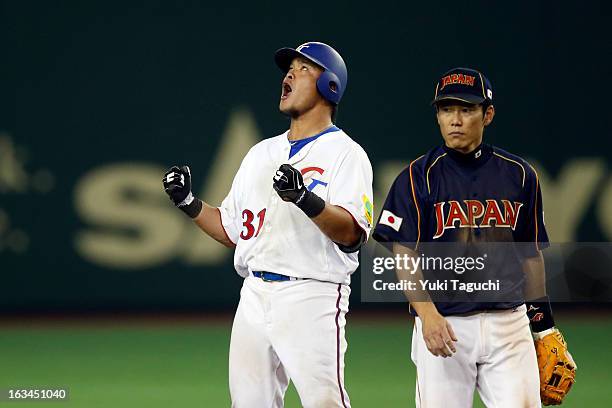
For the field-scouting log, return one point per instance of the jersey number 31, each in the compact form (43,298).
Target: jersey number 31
(249,229)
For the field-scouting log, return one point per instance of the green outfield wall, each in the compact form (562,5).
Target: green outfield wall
(98,99)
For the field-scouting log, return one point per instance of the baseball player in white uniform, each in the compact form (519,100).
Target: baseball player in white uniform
(297,213)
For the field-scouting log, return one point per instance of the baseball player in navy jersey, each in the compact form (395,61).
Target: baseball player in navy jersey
(297,213)
(468,191)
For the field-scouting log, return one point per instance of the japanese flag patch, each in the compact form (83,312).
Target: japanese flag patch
(391,220)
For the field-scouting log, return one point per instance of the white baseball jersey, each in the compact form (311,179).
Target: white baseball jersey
(276,236)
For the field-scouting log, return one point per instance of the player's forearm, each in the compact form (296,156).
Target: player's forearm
(334,221)
(177,184)
(209,221)
(535,277)
(419,299)
(338,225)
(539,311)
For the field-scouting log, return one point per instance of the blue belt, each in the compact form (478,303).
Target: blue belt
(273,277)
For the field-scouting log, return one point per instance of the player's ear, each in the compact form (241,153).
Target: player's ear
(488,115)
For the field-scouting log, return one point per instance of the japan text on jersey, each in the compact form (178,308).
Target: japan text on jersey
(445,196)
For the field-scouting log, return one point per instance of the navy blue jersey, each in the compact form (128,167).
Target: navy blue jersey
(488,195)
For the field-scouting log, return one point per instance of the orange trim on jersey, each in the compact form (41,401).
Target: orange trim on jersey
(535,210)
(515,162)
(429,168)
(416,204)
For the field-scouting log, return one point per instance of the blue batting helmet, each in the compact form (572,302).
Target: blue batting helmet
(332,82)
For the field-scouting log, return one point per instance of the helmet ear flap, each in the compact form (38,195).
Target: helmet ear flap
(330,87)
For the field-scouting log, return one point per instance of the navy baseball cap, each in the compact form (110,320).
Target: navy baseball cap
(464,84)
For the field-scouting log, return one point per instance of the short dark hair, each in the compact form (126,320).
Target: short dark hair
(485,105)
(334,113)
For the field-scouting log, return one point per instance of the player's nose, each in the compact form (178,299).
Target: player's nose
(456,119)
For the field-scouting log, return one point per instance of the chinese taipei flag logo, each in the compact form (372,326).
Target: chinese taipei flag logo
(391,220)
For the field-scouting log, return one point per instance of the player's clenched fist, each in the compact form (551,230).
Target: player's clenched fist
(289,184)
(177,184)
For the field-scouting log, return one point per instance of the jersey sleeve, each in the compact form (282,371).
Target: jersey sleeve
(530,228)
(351,189)
(229,208)
(400,216)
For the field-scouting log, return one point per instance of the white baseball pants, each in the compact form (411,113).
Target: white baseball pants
(495,355)
(291,330)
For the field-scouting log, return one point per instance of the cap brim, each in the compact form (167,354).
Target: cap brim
(284,56)
(467,98)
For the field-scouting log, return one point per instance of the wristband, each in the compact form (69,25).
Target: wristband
(540,314)
(310,203)
(191,206)
(541,335)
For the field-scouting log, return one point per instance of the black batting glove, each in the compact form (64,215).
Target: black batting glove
(289,185)
(177,184)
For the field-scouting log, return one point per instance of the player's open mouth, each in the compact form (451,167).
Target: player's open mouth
(286,91)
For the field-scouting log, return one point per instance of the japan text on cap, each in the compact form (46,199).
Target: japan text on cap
(464,84)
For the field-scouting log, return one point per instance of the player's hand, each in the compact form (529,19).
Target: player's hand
(177,184)
(289,183)
(438,335)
